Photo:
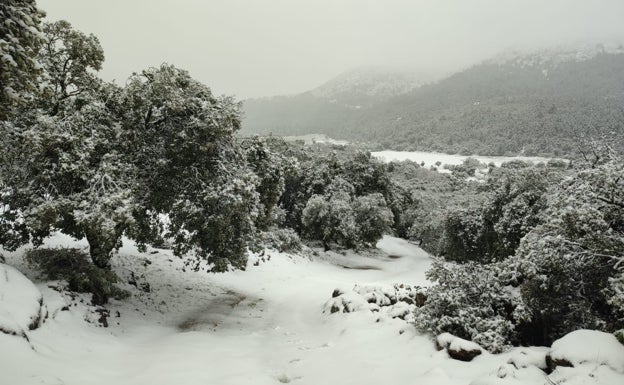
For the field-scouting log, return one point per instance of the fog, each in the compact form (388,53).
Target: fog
(253,48)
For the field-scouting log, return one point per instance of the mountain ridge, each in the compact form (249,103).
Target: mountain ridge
(541,103)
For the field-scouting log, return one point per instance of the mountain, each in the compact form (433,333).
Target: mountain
(329,105)
(539,103)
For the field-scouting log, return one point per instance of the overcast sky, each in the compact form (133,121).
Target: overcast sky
(252,48)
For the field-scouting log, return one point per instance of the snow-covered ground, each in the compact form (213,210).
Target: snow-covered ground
(316,138)
(430,158)
(264,325)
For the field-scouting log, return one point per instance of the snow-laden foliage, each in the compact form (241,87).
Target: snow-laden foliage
(472,301)
(571,265)
(71,60)
(270,168)
(565,274)
(20,39)
(337,217)
(284,240)
(216,219)
(491,230)
(342,199)
(62,172)
(189,167)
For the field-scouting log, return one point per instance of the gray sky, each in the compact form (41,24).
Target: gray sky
(252,48)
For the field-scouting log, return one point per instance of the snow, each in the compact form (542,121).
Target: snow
(452,342)
(20,302)
(590,347)
(261,326)
(316,138)
(430,158)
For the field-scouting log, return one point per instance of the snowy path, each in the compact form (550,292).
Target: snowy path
(261,326)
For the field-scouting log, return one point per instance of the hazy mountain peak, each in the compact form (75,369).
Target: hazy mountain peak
(369,82)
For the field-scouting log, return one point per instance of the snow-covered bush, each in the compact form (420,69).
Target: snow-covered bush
(492,229)
(571,265)
(472,301)
(283,240)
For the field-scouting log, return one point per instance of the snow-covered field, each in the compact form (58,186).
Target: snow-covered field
(316,138)
(430,158)
(261,326)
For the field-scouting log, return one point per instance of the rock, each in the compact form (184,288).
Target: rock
(337,292)
(104,314)
(552,364)
(458,348)
(345,303)
(586,347)
(420,299)
(527,357)
(21,303)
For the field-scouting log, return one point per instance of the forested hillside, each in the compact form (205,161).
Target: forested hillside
(330,105)
(539,104)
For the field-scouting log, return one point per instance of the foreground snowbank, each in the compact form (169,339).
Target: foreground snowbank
(21,303)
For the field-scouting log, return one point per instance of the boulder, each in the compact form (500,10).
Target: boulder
(586,347)
(345,303)
(458,348)
(21,303)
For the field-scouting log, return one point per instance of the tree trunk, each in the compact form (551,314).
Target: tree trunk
(100,248)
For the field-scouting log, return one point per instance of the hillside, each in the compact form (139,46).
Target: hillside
(537,104)
(333,103)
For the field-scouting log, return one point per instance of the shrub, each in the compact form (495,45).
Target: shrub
(74,266)
(472,301)
(283,240)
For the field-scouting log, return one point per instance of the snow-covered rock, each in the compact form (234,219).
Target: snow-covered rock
(587,347)
(346,303)
(391,301)
(529,357)
(458,348)
(21,303)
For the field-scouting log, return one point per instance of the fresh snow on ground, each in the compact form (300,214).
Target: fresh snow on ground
(316,138)
(264,325)
(20,302)
(430,158)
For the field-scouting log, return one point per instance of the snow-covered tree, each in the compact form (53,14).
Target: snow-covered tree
(270,168)
(71,60)
(20,39)
(61,164)
(373,218)
(65,174)
(571,264)
(190,167)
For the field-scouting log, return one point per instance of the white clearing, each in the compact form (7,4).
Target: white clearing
(260,326)
(430,158)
